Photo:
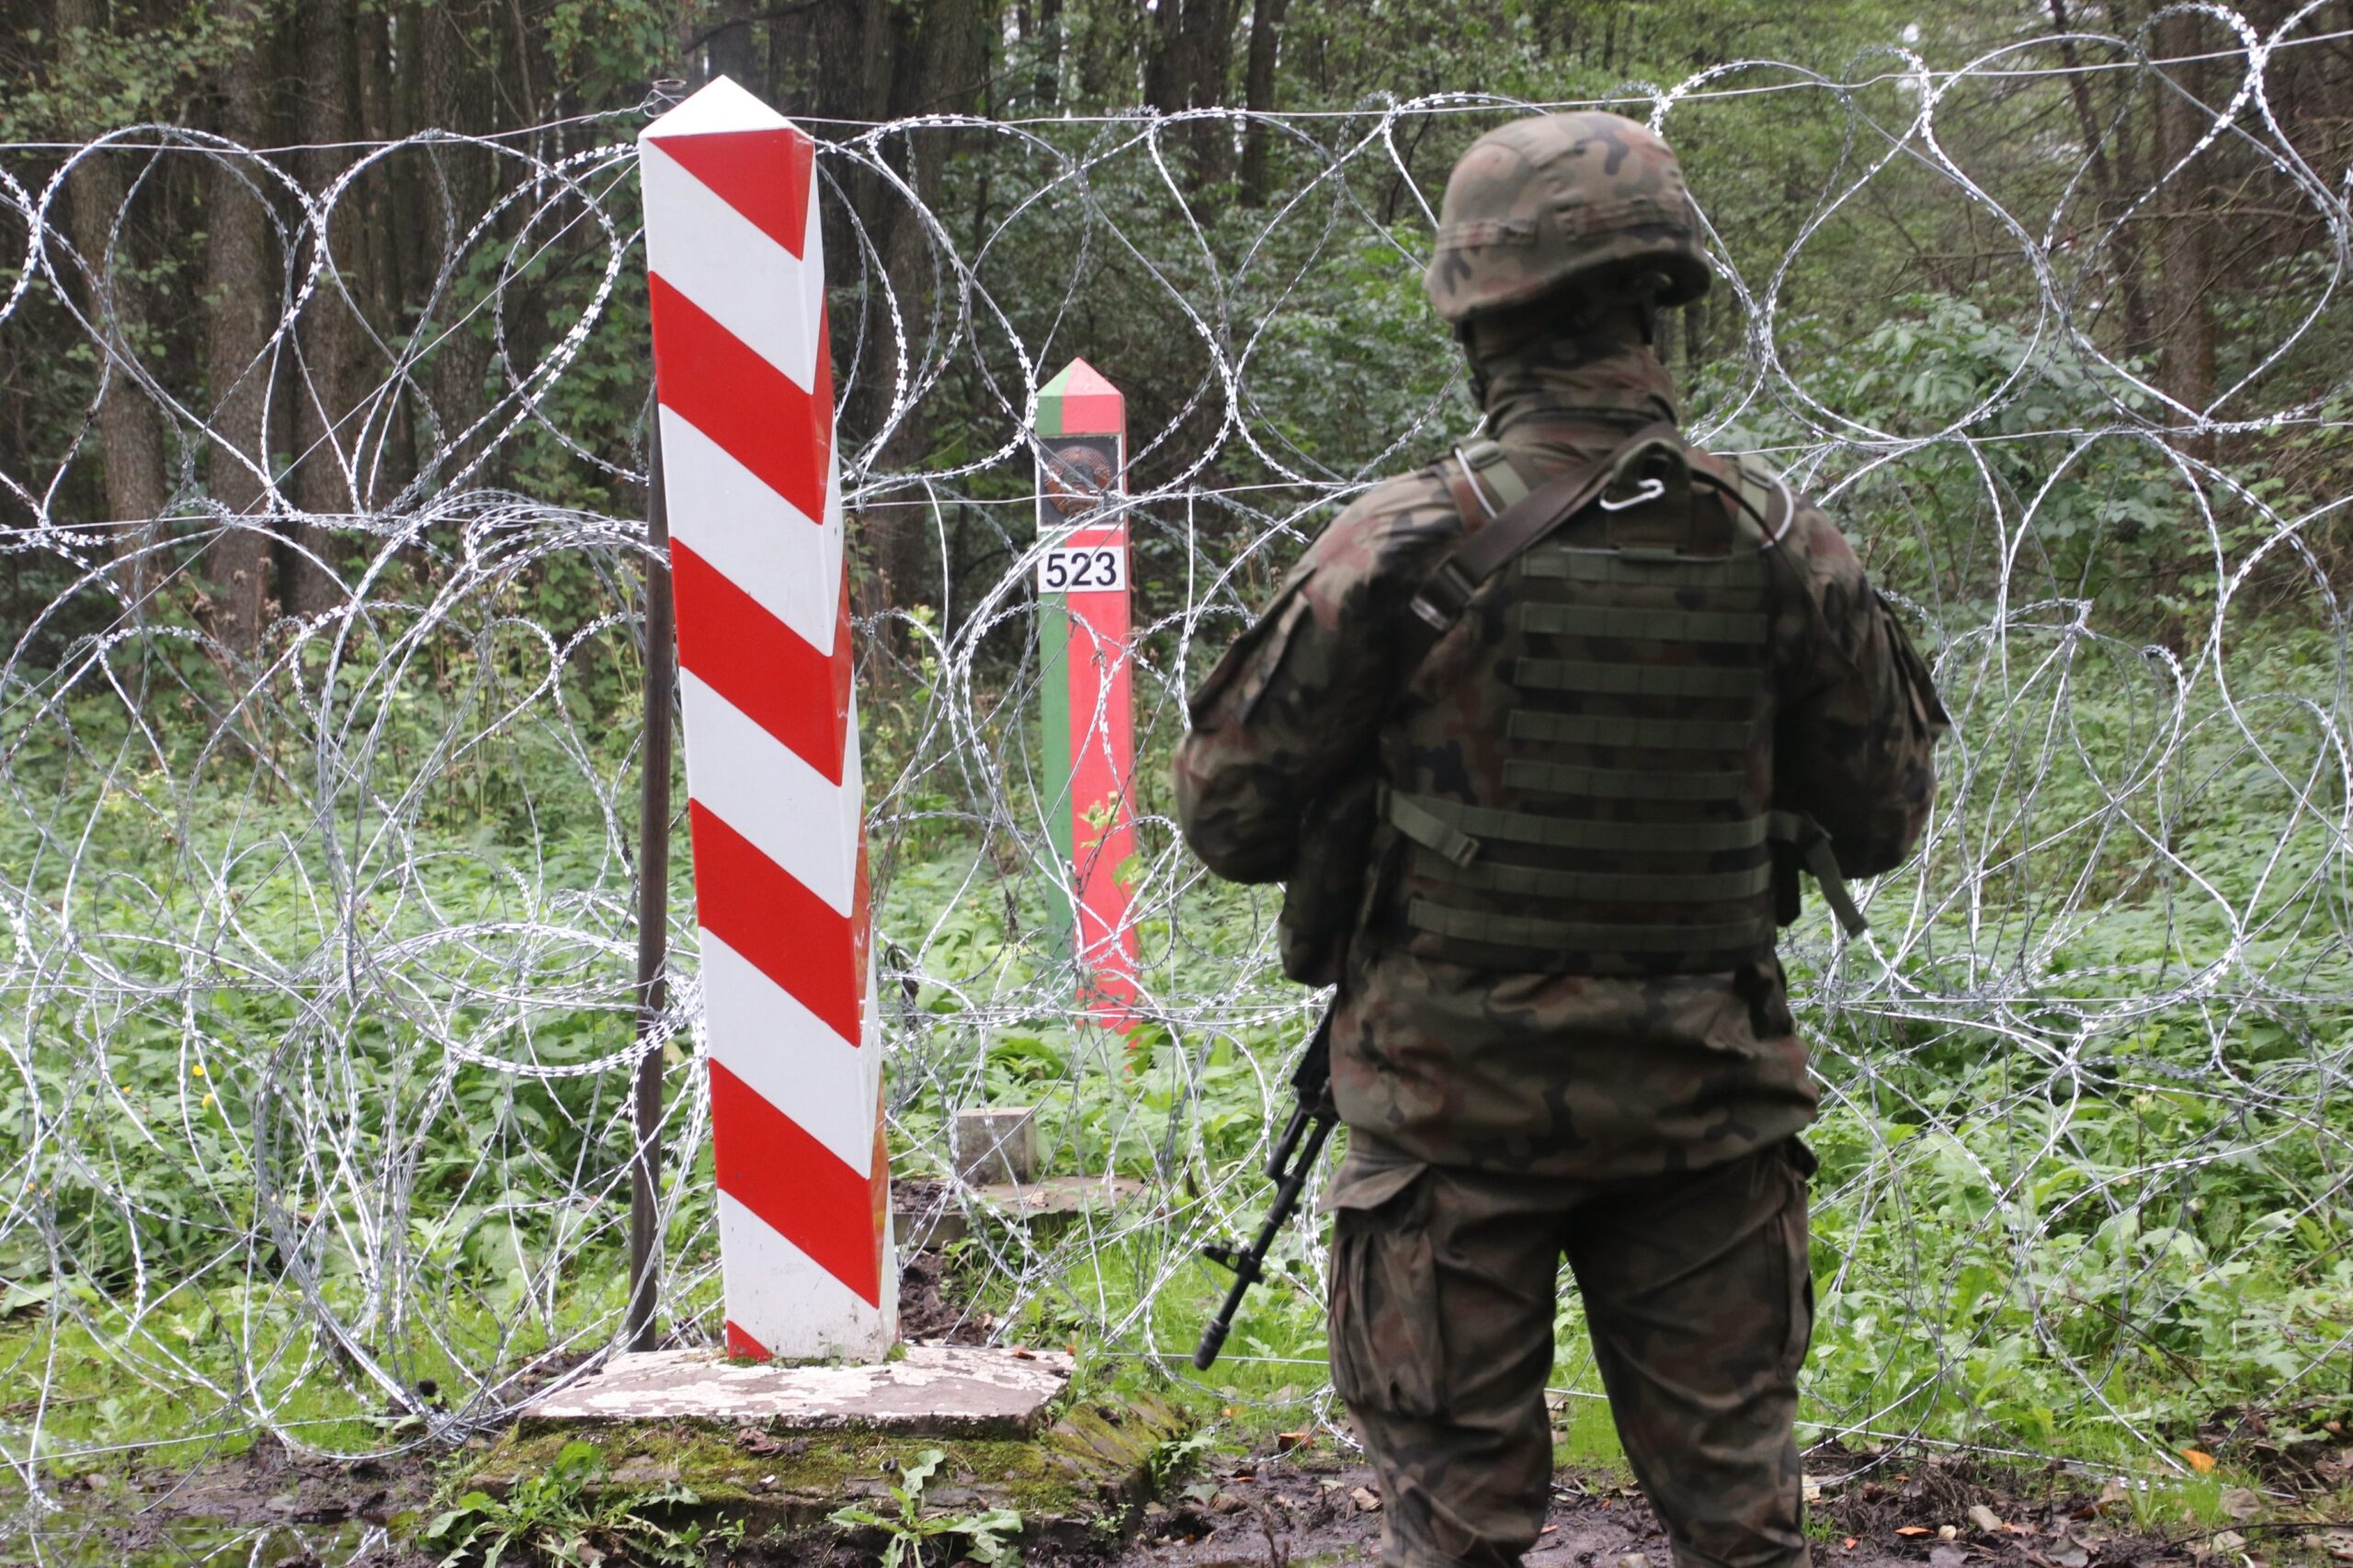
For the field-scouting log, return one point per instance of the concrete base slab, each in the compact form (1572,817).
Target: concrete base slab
(926,1217)
(942,1389)
(1077,1483)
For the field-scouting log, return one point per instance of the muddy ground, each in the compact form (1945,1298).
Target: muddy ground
(1263,1511)
(1274,1512)
(1315,1505)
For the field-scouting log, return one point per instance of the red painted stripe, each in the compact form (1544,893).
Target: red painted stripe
(763,667)
(764,174)
(796,1185)
(712,379)
(742,1345)
(788,933)
(731,640)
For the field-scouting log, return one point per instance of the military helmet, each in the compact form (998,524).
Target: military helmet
(1544,203)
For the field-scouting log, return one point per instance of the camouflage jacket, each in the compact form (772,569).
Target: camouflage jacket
(1564,1076)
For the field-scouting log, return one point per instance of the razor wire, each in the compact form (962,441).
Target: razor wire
(316,1000)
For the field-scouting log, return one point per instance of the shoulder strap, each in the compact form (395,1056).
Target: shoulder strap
(1756,490)
(1517,527)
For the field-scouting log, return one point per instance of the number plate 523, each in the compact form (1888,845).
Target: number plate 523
(1082,569)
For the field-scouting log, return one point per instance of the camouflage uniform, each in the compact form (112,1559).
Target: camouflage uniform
(1641,1124)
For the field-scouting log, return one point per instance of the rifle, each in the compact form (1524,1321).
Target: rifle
(1289,1166)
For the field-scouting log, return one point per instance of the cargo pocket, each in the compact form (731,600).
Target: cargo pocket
(1795,1237)
(1388,1357)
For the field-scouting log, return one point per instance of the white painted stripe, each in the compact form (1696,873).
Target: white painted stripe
(752,535)
(779,1297)
(790,1057)
(759,291)
(722,106)
(756,784)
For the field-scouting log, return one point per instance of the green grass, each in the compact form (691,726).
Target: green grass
(2144,1202)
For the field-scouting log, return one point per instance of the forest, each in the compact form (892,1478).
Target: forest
(325,325)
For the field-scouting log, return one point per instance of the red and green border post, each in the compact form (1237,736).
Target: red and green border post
(1087,712)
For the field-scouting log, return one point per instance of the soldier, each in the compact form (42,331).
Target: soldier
(1572,770)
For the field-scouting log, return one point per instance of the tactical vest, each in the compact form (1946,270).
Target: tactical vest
(1579,778)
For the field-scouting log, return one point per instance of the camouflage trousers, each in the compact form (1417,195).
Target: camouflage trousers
(1699,1298)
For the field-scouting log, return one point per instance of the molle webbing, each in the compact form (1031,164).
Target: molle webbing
(1650,625)
(1624,783)
(1619,825)
(1461,832)
(1621,569)
(1611,677)
(1571,938)
(1612,887)
(1616,730)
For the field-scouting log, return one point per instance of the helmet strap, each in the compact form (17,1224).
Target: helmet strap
(1478,382)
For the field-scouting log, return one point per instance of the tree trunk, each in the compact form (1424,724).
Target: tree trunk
(324,399)
(732,49)
(1192,53)
(456,89)
(240,289)
(131,435)
(1258,94)
(1050,52)
(2123,256)
(2186,354)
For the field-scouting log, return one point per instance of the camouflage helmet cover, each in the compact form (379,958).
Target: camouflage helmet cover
(1543,202)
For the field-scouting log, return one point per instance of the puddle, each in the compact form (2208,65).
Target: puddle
(69,1541)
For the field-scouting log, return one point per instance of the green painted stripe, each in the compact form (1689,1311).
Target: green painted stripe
(1055,775)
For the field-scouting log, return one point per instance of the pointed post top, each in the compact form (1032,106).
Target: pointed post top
(743,151)
(1079,401)
(720,107)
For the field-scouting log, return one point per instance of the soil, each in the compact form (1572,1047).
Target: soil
(296,1508)
(929,1309)
(1308,1506)
(1304,1509)
(1301,1509)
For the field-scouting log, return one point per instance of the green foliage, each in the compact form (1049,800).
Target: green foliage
(565,1515)
(1175,1459)
(986,1536)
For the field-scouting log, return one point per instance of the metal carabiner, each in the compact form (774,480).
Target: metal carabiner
(1648,490)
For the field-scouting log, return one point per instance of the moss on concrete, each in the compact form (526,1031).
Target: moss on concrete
(1084,1477)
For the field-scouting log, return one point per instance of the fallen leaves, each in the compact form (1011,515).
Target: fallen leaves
(760,1444)
(2200,1459)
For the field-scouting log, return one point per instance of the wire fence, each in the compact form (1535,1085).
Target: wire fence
(316,995)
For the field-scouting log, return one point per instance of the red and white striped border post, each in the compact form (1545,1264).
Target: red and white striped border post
(745,382)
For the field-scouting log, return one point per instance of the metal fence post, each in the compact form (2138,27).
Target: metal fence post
(652,910)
